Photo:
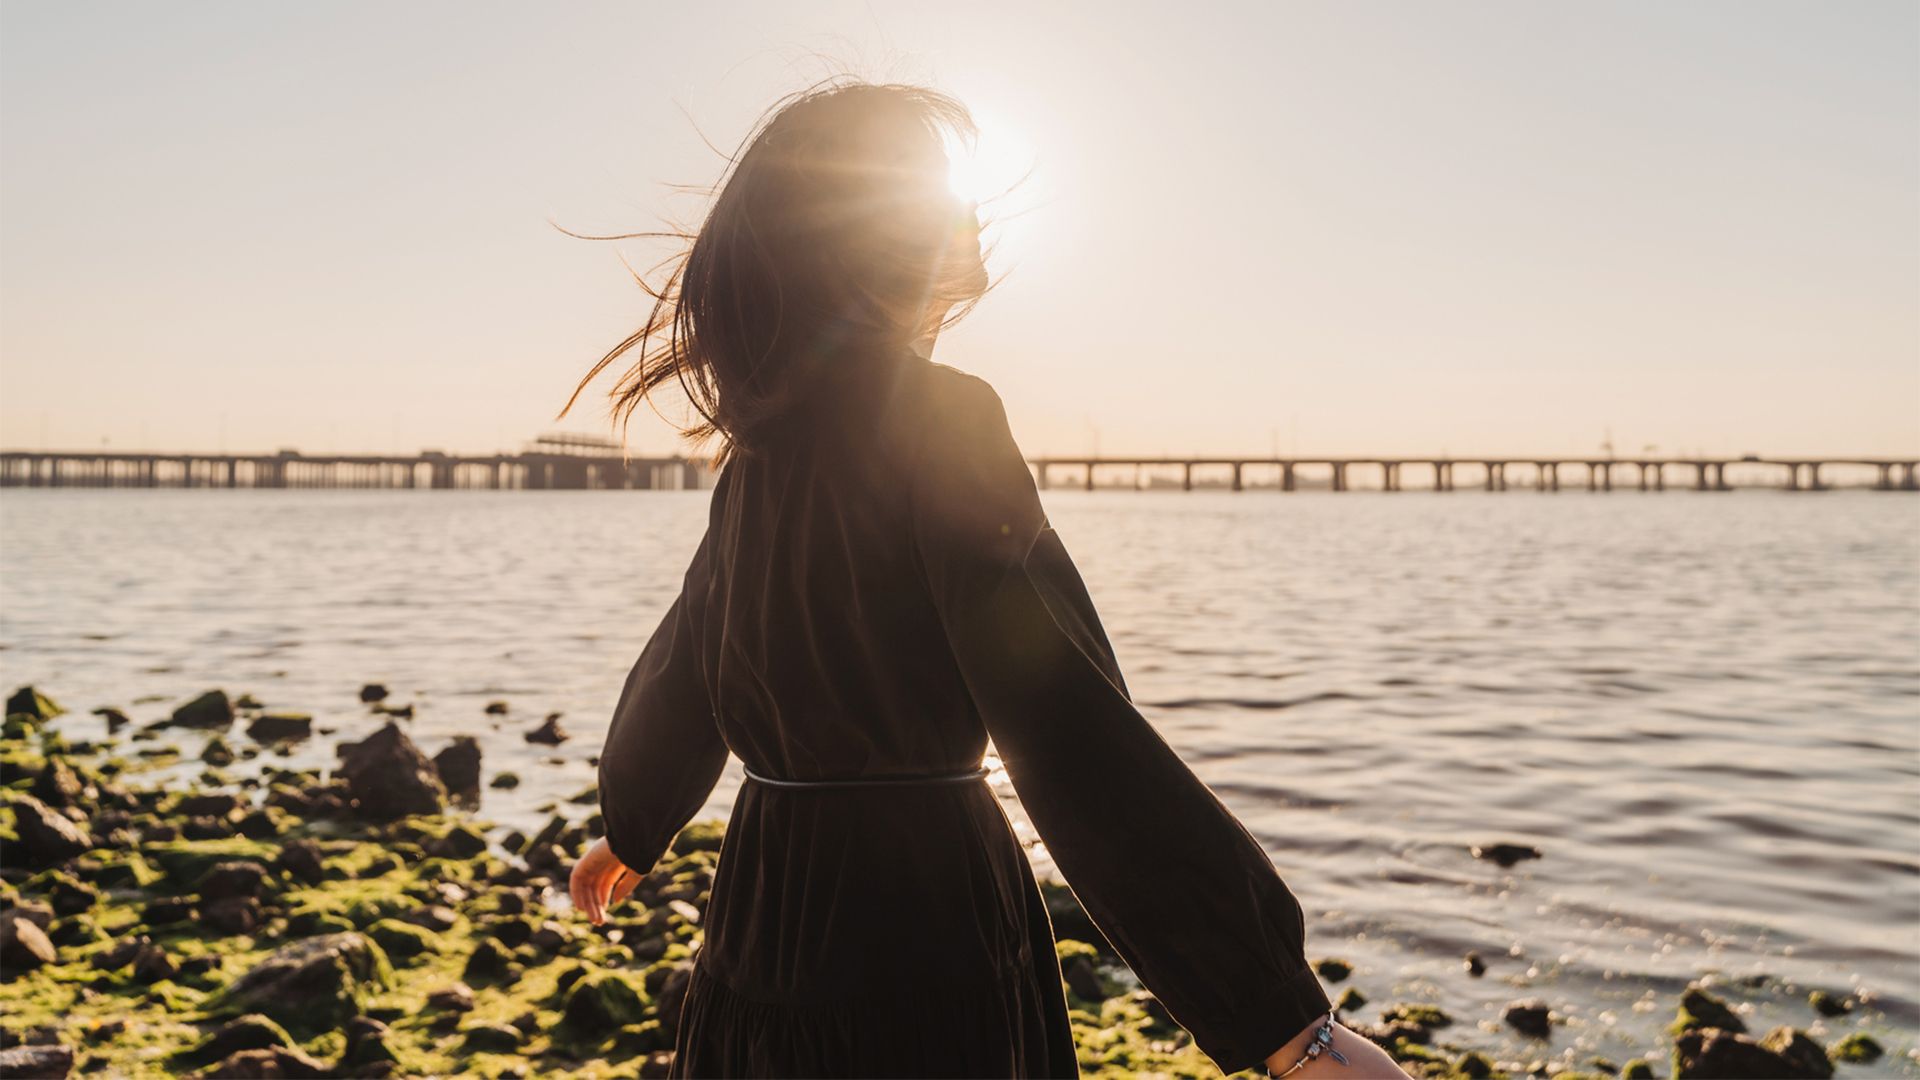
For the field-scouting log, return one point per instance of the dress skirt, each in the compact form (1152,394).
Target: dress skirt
(890,931)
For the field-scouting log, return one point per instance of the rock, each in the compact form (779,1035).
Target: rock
(222,805)
(398,712)
(234,879)
(1351,1000)
(505,781)
(436,917)
(48,1061)
(33,703)
(459,765)
(272,1063)
(232,915)
(461,842)
(152,964)
(1082,979)
(1829,1004)
(367,1044)
(58,784)
(1858,1048)
(549,733)
(49,838)
(373,692)
(115,719)
(1506,854)
(496,708)
(455,998)
(1418,1015)
(1712,1053)
(24,945)
(1699,1009)
(390,778)
(1475,1065)
(250,1032)
(316,984)
(302,861)
(209,710)
(601,1002)
(1796,1046)
(492,1038)
(36,912)
(217,752)
(280,727)
(490,961)
(121,954)
(403,940)
(1637,1069)
(1475,966)
(1333,970)
(1529,1018)
(708,835)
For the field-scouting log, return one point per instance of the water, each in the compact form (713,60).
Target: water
(1703,709)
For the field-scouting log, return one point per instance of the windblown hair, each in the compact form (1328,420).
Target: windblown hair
(832,243)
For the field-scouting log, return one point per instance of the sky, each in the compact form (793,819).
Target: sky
(1292,228)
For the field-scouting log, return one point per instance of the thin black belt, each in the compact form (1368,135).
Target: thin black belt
(979,773)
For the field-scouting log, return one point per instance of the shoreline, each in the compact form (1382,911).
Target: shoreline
(358,922)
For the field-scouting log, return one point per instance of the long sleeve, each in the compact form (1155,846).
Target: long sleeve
(663,753)
(1179,886)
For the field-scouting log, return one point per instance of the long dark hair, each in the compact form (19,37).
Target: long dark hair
(833,241)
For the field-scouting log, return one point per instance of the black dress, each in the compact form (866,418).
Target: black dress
(878,595)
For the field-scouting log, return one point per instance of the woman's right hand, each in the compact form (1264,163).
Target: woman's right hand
(1366,1060)
(599,881)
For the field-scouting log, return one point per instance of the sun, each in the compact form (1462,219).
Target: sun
(993,168)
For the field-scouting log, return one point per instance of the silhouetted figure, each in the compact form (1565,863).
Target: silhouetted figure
(878,592)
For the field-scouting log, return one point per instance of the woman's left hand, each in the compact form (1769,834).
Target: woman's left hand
(600,881)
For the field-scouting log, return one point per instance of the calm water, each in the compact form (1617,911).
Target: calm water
(1703,709)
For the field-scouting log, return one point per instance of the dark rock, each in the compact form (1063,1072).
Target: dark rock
(209,710)
(436,917)
(217,752)
(168,910)
(1506,854)
(403,940)
(1332,970)
(40,1062)
(232,915)
(24,945)
(455,998)
(121,954)
(601,1002)
(316,984)
(1829,1004)
(492,1038)
(234,879)
(459,765)
(273,1063)
(48,837)
(490,961)
(115,719)
(1351,1000)
(69,895)
(496,708)
(251,1032)
(1796,1046)
(1082,979)
(505,781)
(390,778)
(461,842)
(367,1044)
(549,733)
(373,692)
(1475,966)
(1529,1018)
(57,784)
(1712,1053)
(1699,1009)
(220,805)
(280,727)
(151,964)
(1858,1048)
(301,860)
(33,703)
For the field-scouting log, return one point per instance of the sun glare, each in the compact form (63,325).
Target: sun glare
(992,168)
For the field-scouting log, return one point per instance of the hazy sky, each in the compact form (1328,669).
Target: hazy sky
(1326,228)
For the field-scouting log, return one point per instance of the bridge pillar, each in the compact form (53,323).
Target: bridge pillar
(1286,476)
(1813,476)
(1236,475)
(1912,481)
(1885,483)
(1041,471)
(1089,476)
(1186,475)
(1606,476)
(1643,476)
(1339,475)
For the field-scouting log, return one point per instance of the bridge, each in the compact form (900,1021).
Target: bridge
(552,462)
(1546,474)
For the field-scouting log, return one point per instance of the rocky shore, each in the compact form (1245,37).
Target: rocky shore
(360,921)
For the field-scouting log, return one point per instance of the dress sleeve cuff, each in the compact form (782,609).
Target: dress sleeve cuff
(1266,1023)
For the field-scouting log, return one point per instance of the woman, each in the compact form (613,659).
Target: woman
(879,591)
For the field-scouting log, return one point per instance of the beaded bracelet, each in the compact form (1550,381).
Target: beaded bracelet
(1322,1042)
